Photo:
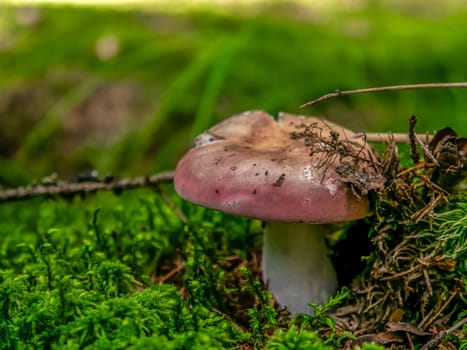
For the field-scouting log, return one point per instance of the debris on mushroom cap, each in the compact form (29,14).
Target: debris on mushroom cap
(296,169)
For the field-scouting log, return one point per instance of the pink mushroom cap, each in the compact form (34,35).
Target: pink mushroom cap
(254,166)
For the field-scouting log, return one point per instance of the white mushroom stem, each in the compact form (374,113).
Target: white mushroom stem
(296,265)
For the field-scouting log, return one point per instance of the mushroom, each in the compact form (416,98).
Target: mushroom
(298,174)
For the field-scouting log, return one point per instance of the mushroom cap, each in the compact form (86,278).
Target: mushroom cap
(295,169)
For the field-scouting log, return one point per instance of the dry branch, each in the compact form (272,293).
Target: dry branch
(65,189)
(388,137)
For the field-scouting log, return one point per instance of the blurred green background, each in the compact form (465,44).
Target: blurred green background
(124,90)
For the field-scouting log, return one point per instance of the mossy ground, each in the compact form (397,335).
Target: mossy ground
(142,268)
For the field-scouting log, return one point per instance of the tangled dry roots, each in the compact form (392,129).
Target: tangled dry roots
(409,289)
(354,160)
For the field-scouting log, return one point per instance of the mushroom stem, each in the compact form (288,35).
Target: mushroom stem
(296,266)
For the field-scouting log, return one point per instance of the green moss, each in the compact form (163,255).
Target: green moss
(81,283)
(293,339)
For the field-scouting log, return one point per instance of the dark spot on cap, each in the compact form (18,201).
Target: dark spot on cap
(217,191)
(266,172)
(233,168)
(256,174)
(254,192)
(279,181)
(254,164)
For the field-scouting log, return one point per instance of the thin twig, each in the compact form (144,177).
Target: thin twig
(414,168)
(438,312)
(412,137)
(426,150)
(436,340)
(429,287)
(409,339)
(419,215)
(180,266)
(230,319)
(171,205)
(400,274)
(66,189)
(338,93)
